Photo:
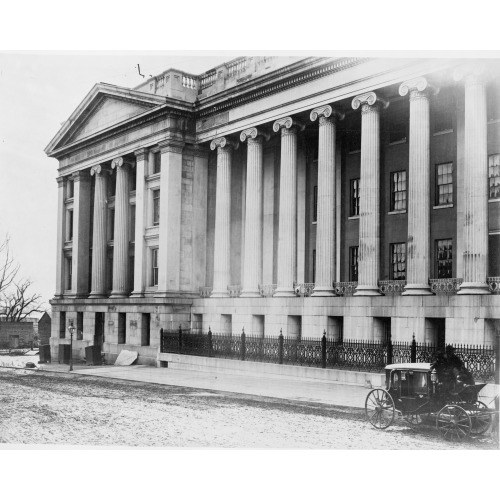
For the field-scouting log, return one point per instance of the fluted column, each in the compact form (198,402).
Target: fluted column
(326,221)
(475,230)
(369,204)
(417,248)
(252,265)
(287,232)
(222,247)
(121,237)
(61,188)
(99,239)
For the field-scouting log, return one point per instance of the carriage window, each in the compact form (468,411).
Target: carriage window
(420,382)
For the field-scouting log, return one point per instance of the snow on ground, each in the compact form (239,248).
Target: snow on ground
(73,410)
(19,361)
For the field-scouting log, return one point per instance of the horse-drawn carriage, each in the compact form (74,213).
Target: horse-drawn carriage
(420,393)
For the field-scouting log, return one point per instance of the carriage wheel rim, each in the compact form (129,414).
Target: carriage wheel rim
(453,423)
(379,408)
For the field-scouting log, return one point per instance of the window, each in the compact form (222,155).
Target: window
(122,328)
(156,207)
(79,325)
(68,264)
(70,189)
(133,179)
(156,163)
(444,184)
(132,223)
(398,190)
(315,203)
(146,329)
(111,224)
(62,324)
(154,267)
(494,176)
(354,197)
(112,184)
(69,227)
(353,263)
(398,261)
(444,258)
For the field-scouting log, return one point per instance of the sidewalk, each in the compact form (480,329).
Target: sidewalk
(331,393)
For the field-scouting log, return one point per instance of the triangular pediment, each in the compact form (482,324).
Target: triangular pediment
(103,108)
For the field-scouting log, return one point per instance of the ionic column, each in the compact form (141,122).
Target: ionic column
(61,188)
(121,237)
(287,235)
(252,265)
(81,234)
(222,247)
(417,248)
(369,205)
(326,221)
(475,230)
(140,220)
(99,239)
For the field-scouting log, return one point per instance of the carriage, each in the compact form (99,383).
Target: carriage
(414,391)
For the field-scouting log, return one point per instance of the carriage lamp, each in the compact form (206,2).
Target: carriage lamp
(71,330)
(433,376)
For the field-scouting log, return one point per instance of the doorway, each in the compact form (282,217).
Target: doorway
(99,329)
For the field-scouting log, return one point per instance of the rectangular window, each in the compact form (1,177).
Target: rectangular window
(122,328)
(354,197)
(156,207)
(398,190)
(353,263)
(79,325)
(156,163)
(444,258)
(154,267)
(133,179)
(132,223)
(112,183)
(62,324)
(69,234)
(70,189)
(146,329)
(494,176)
(111,224)
(398,261)
(444,184)
(315,203)
(68,264)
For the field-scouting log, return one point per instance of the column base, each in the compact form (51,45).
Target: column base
(250,293)
(323,291)
(472,288)
(219,294)
(417,289)
(165,294)
(284,292)
(366,291)
(137,295)
(97,295)
(118,295)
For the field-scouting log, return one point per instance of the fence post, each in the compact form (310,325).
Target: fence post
(389,352)
(162,341)
(243,346)
(413,350)
(323,350)
(280,347)
(209,342)
(180,339)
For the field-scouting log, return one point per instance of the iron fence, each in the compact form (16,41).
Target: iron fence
(359,355)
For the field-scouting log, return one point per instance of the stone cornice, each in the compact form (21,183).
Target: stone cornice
(253,133)
(223,142)
(140,154)
(370,99)
(326,112)
(80,175)
(171,146)
(287,123)
(420,84)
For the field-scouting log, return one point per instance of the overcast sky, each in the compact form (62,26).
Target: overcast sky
(38,92)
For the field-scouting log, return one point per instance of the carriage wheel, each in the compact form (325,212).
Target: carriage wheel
(480,418)
(453,423)
(379,408)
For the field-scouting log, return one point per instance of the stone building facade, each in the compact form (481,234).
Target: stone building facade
(355,196)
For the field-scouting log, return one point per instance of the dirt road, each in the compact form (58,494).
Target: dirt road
(37,408)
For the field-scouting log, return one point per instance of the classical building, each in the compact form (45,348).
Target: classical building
(356,196)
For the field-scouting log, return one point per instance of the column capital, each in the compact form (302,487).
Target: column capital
(369,100)
(171,146)
(223,143)
(98,170)
(253,133)
(418,85)
(140,154)
(288,124)
(60,181)
(119,163)
(474,73)
(326,112)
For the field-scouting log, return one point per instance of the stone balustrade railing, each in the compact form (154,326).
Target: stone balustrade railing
(188,81)
(236,67)
(494,284)
(445,286)
(345,288)
(303,289)
(392,287)
(267,290)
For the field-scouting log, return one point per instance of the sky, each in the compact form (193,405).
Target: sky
(38,92)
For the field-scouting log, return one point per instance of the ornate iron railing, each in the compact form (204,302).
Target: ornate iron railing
(205,291)
(303,289)
(447,286)
(345,288)
(362,355)
(494,284)
(392,287)
(267,290)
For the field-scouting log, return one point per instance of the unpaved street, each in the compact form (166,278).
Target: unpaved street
(37,408)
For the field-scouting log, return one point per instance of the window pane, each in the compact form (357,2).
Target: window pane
(398,259)
(494,176)
(398,191)
(444,184)
(353,263)
(355,188)
(444,258)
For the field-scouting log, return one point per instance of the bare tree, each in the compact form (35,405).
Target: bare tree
(8,268)
(20,303)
